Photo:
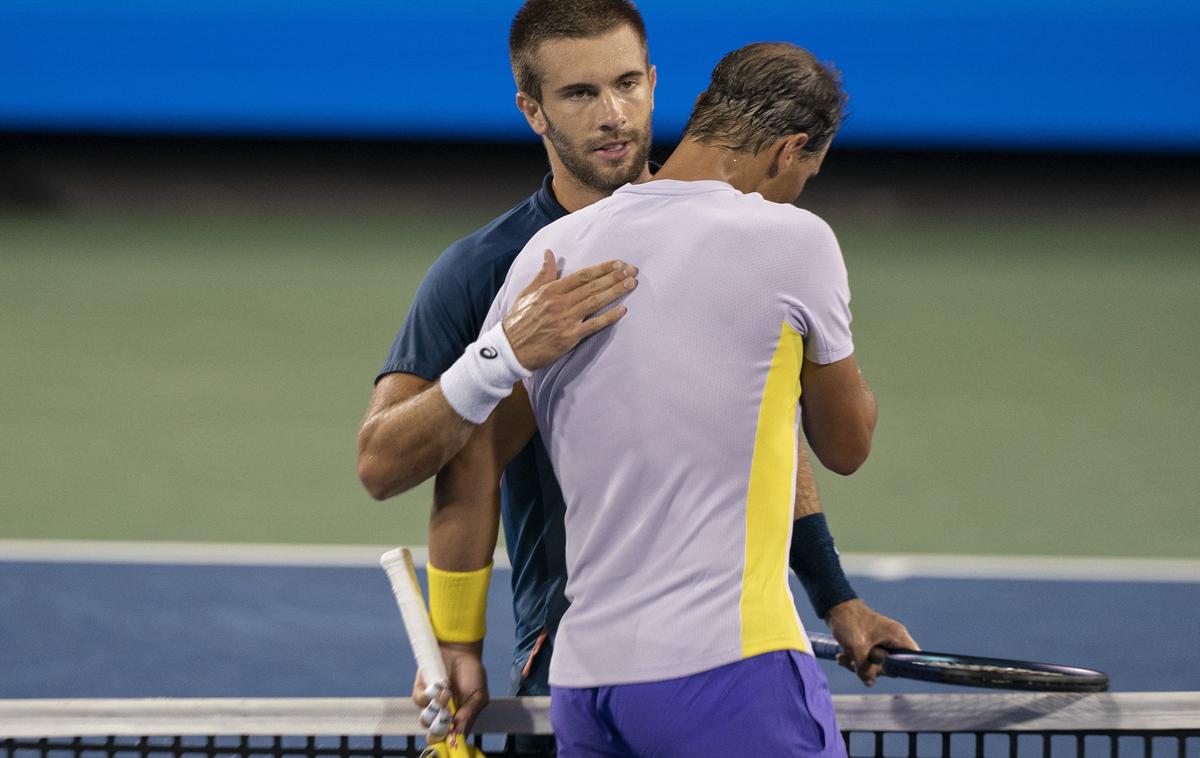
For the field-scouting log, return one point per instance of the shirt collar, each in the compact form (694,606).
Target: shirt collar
(548,204)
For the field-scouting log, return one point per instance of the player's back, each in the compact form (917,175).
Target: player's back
(673,433)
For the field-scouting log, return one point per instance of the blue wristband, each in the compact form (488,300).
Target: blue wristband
(816,562)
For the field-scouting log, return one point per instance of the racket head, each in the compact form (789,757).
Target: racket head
(976,671)
(992,673)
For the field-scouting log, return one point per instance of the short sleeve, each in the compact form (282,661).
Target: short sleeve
(821,293)
(441,323)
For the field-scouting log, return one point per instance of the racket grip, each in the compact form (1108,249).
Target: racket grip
(824,646)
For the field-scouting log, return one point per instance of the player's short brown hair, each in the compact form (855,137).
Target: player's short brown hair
(541,20)
(766,91)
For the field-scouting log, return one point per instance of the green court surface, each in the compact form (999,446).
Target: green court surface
(176,378)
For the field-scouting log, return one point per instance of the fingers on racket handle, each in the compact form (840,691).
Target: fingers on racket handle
(436,720)
(824,646)
(435,690)
(430,714)
(441,724)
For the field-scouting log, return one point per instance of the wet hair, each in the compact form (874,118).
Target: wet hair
(539,21)
(766,91)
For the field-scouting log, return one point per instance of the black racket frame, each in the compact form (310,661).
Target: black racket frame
(964,670)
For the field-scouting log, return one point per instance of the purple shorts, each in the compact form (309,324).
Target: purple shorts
(775,704)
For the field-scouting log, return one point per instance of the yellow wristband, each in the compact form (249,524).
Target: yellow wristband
(458,603)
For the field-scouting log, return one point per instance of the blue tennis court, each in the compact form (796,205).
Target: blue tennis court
(138,629)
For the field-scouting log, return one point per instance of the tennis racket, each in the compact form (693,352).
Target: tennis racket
(402,575)
(974,671)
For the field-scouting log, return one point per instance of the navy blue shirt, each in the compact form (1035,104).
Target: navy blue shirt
(446,315)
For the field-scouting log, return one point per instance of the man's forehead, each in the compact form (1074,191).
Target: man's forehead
(596,59)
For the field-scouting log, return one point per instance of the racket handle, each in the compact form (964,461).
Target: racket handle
(402,574)
(824,646)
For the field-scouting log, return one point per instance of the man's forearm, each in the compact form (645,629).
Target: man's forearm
(462,539)
(816,562)
(462,534)
(422,433)
(812,555)
(807,501)
(871,406)
(465,520)
(403,444)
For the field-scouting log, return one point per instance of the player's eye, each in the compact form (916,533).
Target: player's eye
(629,84)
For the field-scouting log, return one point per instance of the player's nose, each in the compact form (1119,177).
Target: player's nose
(612,115)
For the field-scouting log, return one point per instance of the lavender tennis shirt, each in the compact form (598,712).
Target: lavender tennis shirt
(673,433)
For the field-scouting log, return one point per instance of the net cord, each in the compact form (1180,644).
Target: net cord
(1135,713)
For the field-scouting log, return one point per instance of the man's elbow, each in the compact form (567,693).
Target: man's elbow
(382,478)
(376,485)
(845,459)
(844,464)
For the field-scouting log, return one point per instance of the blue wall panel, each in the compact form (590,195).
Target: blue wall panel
(1052,74)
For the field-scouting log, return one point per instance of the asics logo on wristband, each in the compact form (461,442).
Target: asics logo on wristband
(483,376)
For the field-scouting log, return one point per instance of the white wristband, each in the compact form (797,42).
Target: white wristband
(483,376)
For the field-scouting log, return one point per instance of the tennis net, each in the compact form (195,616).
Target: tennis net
(1114,725)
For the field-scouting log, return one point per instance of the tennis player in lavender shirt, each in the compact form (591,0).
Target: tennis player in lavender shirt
(674,432)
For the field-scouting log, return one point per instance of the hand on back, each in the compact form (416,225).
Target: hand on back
(553,315)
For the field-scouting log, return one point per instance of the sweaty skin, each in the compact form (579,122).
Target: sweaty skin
(411,431)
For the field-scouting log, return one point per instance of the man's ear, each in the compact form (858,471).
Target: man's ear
(652,77)
(532,111)
(787,151)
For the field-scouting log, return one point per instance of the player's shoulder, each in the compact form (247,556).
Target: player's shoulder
(786,233)
(499,239)
(485,255)
(789,219)
(565,227)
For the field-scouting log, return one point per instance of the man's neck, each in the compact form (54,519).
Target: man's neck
(694,161)
(572,194)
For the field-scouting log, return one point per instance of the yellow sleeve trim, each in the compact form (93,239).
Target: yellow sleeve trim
(458,603)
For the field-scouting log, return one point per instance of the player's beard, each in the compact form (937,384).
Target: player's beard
(579,162)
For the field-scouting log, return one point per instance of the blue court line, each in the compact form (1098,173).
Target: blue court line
(154,630)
